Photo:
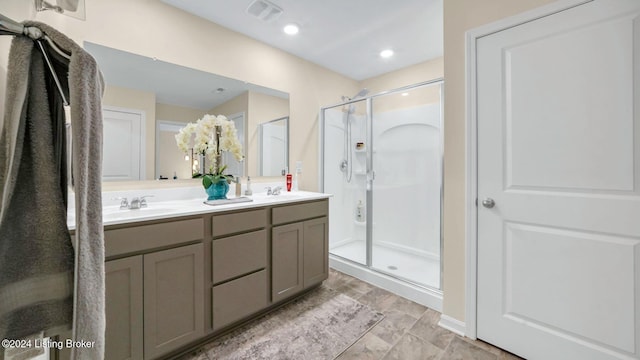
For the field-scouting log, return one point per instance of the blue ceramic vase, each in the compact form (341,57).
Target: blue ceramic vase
(218,190)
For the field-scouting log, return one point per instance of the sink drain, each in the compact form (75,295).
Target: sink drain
(391,267)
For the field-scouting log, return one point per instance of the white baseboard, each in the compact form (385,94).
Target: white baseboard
(451,324)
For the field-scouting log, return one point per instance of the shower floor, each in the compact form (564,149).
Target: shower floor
(418,269)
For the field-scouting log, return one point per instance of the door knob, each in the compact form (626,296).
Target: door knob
(488,203)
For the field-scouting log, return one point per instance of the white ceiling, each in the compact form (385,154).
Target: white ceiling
(345,36)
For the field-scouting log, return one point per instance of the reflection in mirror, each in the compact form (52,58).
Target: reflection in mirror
(274,142)
(147,101)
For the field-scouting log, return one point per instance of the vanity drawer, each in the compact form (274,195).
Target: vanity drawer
(239,298)
(292,213)
(238,255)
(140,238)
(238,222)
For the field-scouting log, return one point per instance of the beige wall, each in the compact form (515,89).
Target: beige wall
(193,42)
(178,37)
(137,100)
(460,16)
(239,104)
(176,113)
(425,71)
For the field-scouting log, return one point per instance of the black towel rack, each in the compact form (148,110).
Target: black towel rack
(10,27)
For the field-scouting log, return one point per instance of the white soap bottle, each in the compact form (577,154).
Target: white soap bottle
(248,192)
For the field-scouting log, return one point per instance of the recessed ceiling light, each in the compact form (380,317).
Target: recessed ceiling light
(405,94)
(387,53)
(291,29)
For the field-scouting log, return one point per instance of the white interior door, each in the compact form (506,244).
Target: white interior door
(558,104)
(272,150)
(122,145)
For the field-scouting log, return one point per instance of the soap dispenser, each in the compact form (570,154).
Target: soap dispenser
(238,187)
(360,211)
(248,192)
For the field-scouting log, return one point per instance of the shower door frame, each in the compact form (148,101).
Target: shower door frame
(370,175)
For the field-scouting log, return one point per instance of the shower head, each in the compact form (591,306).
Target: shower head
(360,94)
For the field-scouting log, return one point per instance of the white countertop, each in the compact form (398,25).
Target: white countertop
(112,214)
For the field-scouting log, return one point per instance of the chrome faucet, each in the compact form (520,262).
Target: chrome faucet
(275,191)
(136,202)
(143,201)
(124,204)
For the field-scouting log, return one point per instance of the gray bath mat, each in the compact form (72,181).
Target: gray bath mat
(320,325)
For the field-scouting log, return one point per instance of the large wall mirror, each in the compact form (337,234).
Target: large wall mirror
(147,101)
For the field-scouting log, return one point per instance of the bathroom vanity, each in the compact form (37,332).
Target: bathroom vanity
(178,279)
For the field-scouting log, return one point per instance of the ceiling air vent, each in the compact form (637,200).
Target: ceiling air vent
(264,10)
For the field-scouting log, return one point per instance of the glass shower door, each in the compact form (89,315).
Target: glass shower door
(406,196)
(344,176)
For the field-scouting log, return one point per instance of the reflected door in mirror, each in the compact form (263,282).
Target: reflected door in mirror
(122,148)
(273,147)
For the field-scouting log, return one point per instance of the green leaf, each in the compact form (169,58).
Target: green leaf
(207,181)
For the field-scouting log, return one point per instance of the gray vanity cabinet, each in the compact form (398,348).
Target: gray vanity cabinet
(239,266)
(155,299)
(154,288)
(173,299)
(171,283)
(299,248)
(123,299)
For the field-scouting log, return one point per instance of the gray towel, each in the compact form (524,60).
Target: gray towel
(36,254)
(85,92)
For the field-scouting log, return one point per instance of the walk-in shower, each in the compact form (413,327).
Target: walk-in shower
(382,161)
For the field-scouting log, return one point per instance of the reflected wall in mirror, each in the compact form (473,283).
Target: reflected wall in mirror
(147,101)
(274,142)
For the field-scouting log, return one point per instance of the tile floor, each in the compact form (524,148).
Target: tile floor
(409,331)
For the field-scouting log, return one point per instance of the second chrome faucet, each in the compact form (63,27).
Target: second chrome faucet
(136,202)
(275,191)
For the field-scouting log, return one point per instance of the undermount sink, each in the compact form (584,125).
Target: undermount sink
(282,196)
(287,196)
(114,212)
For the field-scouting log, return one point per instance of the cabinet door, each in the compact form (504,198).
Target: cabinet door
(123,297)
(316,252)
(286,261)
(173,299)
